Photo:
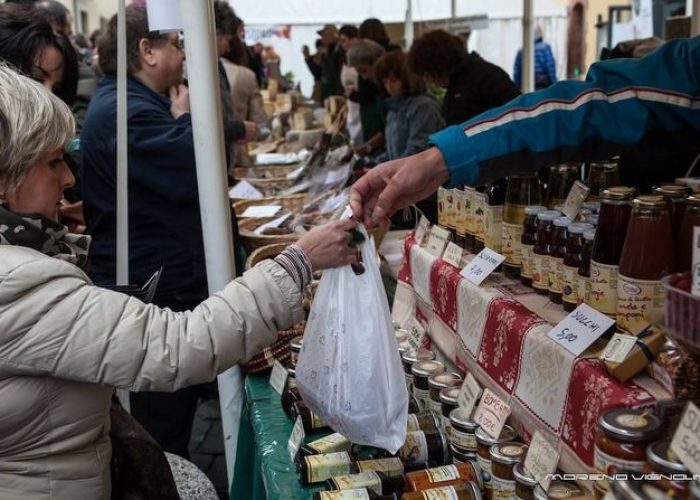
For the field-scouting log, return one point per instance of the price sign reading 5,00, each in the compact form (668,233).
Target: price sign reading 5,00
(567,335)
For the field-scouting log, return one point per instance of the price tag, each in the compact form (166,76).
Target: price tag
(686,440)
(415,335)
(278,377)
(422,229)
(619,347)
(453,254)
(491,414)
(437,240)
(244,189)
(583,326)
(541,460)
(574,200)
(261,211)
(469,394)
(696,261)
(273,223)
(296,438)
(482,265)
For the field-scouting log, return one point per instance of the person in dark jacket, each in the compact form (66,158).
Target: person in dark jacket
(472,84)
(331,63)
(164,218)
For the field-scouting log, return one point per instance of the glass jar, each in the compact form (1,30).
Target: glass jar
(583,278)
(376,482)
(522,191)
(484,442)
(592,206)
(559,489)
(525,484)
(504,456)
(411,357)
(479,203)
(333,443)
(461,491)
(447,475)
(460,217)
(527,243)
(462,456)
(674,195)
(663,461)
(602,175)
(463,431)
(420,447)
(448,400)
(647,256)
(557,252)
(621,441)
(319,468)
(615,212)
(573,248)
(423,421)
(493,214)
(469,223)
(684,243)
(542,249)
(438,382)
(421,371)
(561,178)
(294,350)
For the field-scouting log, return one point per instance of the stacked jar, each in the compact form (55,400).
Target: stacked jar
(463,433)
(436,383)
(583,277)
(448,400)
(484,442)
(422,370)
(522,191)
(504,456)
(527,243)
(542,249)
(411,357)
(573,250)
(557,252)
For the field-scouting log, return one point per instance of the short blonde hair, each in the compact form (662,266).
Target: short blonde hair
(33,122)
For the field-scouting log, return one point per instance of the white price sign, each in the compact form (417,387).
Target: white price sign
(696,261)
(469,394)
(491,414)
(541,460)
(686,440)
(422,229)
(415,335)
(278,377)
(453,254)
(261,211)
(583,326)
(246,190)
(296,439)
(272,224)
(482,265)
(619,347)
(437,240)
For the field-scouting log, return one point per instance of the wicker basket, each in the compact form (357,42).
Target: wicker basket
(252,241)
(264,252)
(292,203)
(263,172)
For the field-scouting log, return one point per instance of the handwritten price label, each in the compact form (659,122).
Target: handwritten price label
(469,394)
(583,326)
(482,265)
(686,440)
(541,460)
(453,254)
(491,414)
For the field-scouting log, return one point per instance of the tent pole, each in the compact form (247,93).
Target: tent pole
(528,62)
(408,26)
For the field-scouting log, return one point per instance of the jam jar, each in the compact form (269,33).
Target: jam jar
(423,421)
(542,249)
(420,447)
(663,461)
(504,456)
(615,212)
(448,399)
(484,442)
(460,455)
(621,441)
(465,490)
(684,243)
(294,350)
(469,219)
(319,468)
(437,383)
(523,191)
(463,431)
(446,475)
(647,256)
(411,357)
(479,204)
(556,259)
(559,489)
(583,278)
(527,242)
(572,261)
(421,371)
(525,484)
(674,195)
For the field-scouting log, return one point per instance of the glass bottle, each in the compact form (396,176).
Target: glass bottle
(527,243)
(479,218)
(309,419)
(674,195)
(556,258)
(647,256)
(542,249)
(522,191)
(684,244)
(601,176)
(573,249)
(469,224)
(615,212)
(583,278)
(561,178)
(493,214)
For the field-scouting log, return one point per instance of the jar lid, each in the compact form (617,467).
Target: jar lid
(508,453)
(589,235)
(558,489)
(579,228)
(401,334)
(548,215)
(562,222)
(443,380)
(534,209)
(292,372)
(404,347)
(693,200)
(523,477)
(629,425)
(296,343)
(415,356)
(507,434)
(427,368)
(461,418)
(649,201)
(660,456)
(674,191)
(461,454)
(449,395)
(618,193)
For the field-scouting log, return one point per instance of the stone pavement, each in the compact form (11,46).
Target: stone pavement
(207,445)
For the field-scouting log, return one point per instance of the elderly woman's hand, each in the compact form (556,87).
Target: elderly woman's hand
(328,246)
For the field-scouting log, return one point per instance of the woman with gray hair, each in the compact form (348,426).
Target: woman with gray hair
(65,343)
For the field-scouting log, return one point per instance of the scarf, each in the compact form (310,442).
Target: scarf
(43,235)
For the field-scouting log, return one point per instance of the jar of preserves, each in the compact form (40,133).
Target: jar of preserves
(411,357)
(466,490)
(309,419)
(460,217)
(684,243)
(559,489)
(333,443)
(522,191)
(663,461)
(615,212)
(448,400)
(647,256)
(446,475)
(561,178)
(621,440)
(437,383)
(391,467)
(294,350)
(376,482)
(319,468)
(525,484)
(573,248)
(602,175)
(493,214)
(460,455)
(504,456)
(420,447)
(484,442)
(423,421)
(583,278)
(421,371)
(674,195)
(469,209)
(542,249)
(479,203)
(463,434)
(527,243)
(557,252)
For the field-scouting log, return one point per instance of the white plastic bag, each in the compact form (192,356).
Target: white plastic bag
(349,372)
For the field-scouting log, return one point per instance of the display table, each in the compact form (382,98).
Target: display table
(498,332)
